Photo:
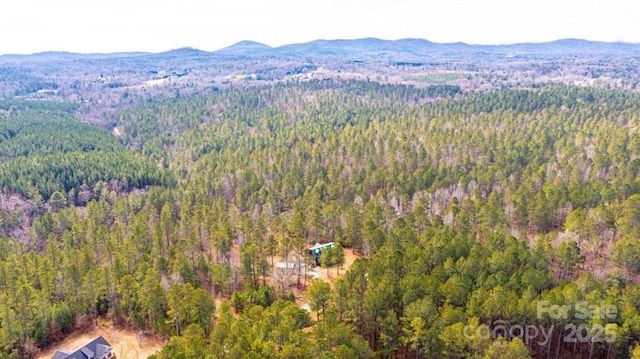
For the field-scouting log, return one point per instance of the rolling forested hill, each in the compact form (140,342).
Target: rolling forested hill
(469,209)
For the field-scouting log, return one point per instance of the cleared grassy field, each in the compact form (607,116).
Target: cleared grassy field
(435,78)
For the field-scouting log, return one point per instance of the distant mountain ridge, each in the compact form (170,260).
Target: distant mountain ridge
(413,46)
(64,55)
(365,47)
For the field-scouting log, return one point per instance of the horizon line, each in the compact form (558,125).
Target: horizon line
(194,48)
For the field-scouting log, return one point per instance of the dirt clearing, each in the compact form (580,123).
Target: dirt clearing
(331,274)
(127,343)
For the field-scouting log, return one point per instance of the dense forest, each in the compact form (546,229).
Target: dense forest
(468,211)
(48,153)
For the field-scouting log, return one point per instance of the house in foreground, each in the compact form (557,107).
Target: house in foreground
(99,348)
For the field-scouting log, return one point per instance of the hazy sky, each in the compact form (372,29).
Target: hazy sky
(28,26)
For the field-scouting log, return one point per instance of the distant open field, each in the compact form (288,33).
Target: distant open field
(435,78)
